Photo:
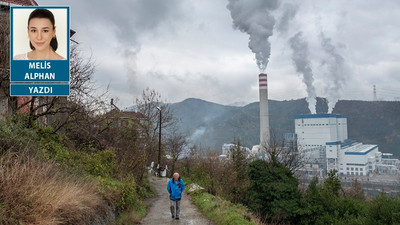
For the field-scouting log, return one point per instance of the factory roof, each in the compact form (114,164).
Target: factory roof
(313,116)
(362,150)
(348,143)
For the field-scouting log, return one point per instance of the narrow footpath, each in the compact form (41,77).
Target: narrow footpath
(159,212)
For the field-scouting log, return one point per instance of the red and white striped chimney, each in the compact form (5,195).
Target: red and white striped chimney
(264,115)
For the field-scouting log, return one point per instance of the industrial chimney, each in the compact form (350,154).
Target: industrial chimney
(264,116)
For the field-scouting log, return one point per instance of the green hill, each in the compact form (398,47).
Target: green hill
(210,125)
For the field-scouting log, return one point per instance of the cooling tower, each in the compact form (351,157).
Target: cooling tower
(264,117)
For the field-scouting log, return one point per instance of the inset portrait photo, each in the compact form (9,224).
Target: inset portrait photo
(40,33)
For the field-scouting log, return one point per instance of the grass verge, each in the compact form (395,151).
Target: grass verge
(218,210)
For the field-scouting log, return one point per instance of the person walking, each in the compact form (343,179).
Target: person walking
(175,188)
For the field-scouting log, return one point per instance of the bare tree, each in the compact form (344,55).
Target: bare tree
(277,149)
(147,105)
(175,144)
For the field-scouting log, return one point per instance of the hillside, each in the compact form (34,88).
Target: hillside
(210,125)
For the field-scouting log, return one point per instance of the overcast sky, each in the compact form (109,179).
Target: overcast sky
(189,48)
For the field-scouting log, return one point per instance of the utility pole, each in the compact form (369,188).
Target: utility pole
(159,139)
(375,98)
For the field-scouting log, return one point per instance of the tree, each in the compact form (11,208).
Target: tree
(277,149)
(175,145)
(273,191)
(311,204)
(384,210)
(332,183)
(322,204)
(237,165)
(356,191)
(147,105)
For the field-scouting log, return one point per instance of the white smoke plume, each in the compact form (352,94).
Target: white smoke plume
(289,12)
(196,135)
(337,71)
(300,57)
(254,18)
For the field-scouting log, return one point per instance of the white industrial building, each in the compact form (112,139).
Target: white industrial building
(322,140)
(226,150)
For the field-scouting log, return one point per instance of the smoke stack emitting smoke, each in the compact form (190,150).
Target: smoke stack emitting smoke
(303,66)
(337,71)
(255,18)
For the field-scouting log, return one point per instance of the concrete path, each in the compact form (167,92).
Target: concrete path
(159,212)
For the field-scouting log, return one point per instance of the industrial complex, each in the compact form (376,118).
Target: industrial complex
(322,144)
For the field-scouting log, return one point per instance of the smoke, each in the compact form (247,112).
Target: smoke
(255,18)
(337,71)
(130,56)
(197,134)
(300,53)
(303,65)
(122,25)
(289,12)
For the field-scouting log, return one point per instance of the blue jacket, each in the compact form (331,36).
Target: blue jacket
(175,189)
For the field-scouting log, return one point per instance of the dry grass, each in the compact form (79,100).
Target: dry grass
(130,217)
(35,192)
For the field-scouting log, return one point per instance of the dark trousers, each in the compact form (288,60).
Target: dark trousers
(175,204)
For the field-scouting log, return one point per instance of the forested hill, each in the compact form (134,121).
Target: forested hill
(210,125)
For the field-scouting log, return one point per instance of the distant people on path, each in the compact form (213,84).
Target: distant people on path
(175,188)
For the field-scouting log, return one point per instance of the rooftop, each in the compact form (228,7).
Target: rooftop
(362,150)
(348,143)
(313,116)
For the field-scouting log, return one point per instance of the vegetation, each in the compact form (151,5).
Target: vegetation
(220,211)
(76,159)
(36,192)
(44,181)
(273,193)
(269,190)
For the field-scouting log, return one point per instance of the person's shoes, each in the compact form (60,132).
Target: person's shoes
(173,217)
(177,218)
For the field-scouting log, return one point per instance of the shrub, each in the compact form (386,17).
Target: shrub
(384,210)
(273,192)
(14,137)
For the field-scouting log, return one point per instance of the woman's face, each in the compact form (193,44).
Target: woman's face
(40,31)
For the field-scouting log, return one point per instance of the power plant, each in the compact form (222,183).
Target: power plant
(324,145)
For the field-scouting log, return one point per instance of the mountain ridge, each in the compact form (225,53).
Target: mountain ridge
(211,124)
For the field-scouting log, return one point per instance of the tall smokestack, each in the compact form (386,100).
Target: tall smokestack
(264,115)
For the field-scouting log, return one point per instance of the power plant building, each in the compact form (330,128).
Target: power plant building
(323,142)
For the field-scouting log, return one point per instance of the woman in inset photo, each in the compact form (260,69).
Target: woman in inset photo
(42,37)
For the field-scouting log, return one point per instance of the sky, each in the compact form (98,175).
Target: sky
(190,49)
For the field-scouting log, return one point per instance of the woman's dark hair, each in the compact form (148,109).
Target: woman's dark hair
(44,13)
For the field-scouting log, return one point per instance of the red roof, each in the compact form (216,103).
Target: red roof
(21,2)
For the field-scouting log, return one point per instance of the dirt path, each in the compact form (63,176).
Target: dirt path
(159,212)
